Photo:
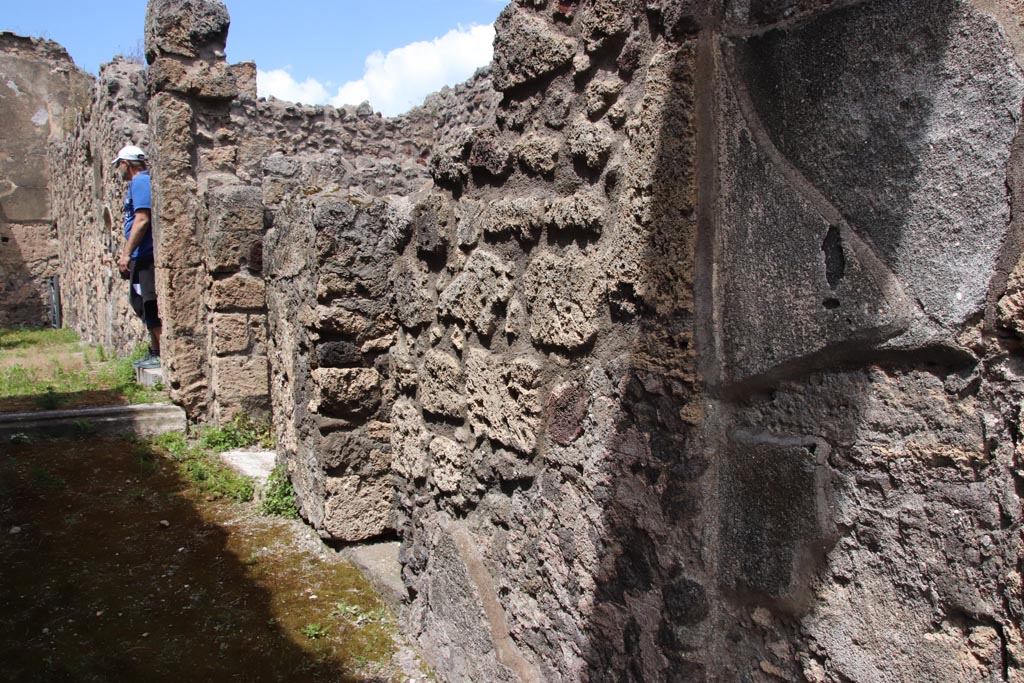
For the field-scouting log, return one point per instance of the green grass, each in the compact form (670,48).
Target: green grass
(279,496)
(19,338)
(197,457)
(51,369)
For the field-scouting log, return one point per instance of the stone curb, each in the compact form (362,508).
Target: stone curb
(113,421)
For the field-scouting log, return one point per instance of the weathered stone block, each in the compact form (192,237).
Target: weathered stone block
(563,295)
(583,212)
(491,153)
(504,396)
(238,292)
(448,457)
(520,216)
(414,299)
(538,153)
(236,378)
(774,520)
(442,384)
(357,508)
(474,295)
(345,391)
(185,29)
(590,143)
(527,48)
(235,225)
(409,440)
(230,333)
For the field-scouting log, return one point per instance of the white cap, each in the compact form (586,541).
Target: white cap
(130,153)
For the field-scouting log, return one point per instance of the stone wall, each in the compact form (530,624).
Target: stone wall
(41,92)
(87,196)
(704,374)
(696,357)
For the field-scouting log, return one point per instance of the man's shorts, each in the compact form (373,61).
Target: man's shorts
(143,290)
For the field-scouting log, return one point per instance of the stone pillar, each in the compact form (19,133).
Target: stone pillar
(209,224)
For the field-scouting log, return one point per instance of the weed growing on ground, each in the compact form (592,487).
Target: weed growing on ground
(279,495)
(197,458)
(314,631)
(242,432)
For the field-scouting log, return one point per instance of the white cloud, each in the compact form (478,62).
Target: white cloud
(398,80)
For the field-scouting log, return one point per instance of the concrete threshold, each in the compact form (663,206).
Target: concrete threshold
(112,421)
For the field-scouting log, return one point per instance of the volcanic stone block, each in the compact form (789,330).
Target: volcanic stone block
(563,295)
(504,395)
(490,153)
(448,458)
(584,211)
(538,153)
(590,143)
(354,453)
(442,384)
(414,300)
(345,391)
(185,28)
(409,440)
(357,507)
(526,48)
(234,227)
(239,292)
(774,525)
(475,294)
(520,216)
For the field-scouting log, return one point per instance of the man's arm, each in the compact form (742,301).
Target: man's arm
(140,226)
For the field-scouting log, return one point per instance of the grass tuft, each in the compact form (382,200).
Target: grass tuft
(279,496)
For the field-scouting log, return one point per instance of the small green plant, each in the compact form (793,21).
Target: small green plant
(44,478)
(242,432)
(202,467)
(49,399)
(20,439)
(85,427)
(314,631)
(279,495)
(101,354)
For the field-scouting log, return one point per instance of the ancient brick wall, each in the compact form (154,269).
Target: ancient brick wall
(41,93)
(87,196)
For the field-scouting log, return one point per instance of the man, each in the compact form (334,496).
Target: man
(136,262)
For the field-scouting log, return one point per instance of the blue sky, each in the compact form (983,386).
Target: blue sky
(305,50)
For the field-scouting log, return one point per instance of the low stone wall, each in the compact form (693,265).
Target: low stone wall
(41,93)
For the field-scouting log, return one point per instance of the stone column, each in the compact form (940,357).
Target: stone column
(209,225)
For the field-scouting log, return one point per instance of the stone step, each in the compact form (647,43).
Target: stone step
(149,377)
(112,421)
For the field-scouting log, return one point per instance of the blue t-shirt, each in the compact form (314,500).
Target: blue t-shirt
(139,197)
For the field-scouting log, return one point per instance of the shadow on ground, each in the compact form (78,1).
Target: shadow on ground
(111,568)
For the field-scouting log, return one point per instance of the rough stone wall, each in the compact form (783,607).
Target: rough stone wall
(212,140)
(339,221)
(698,359)
(704,367)
(87,197)
(41,92)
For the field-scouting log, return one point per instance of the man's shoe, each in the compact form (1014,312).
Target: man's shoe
(142,362)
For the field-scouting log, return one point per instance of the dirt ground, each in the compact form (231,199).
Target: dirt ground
(113,569)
